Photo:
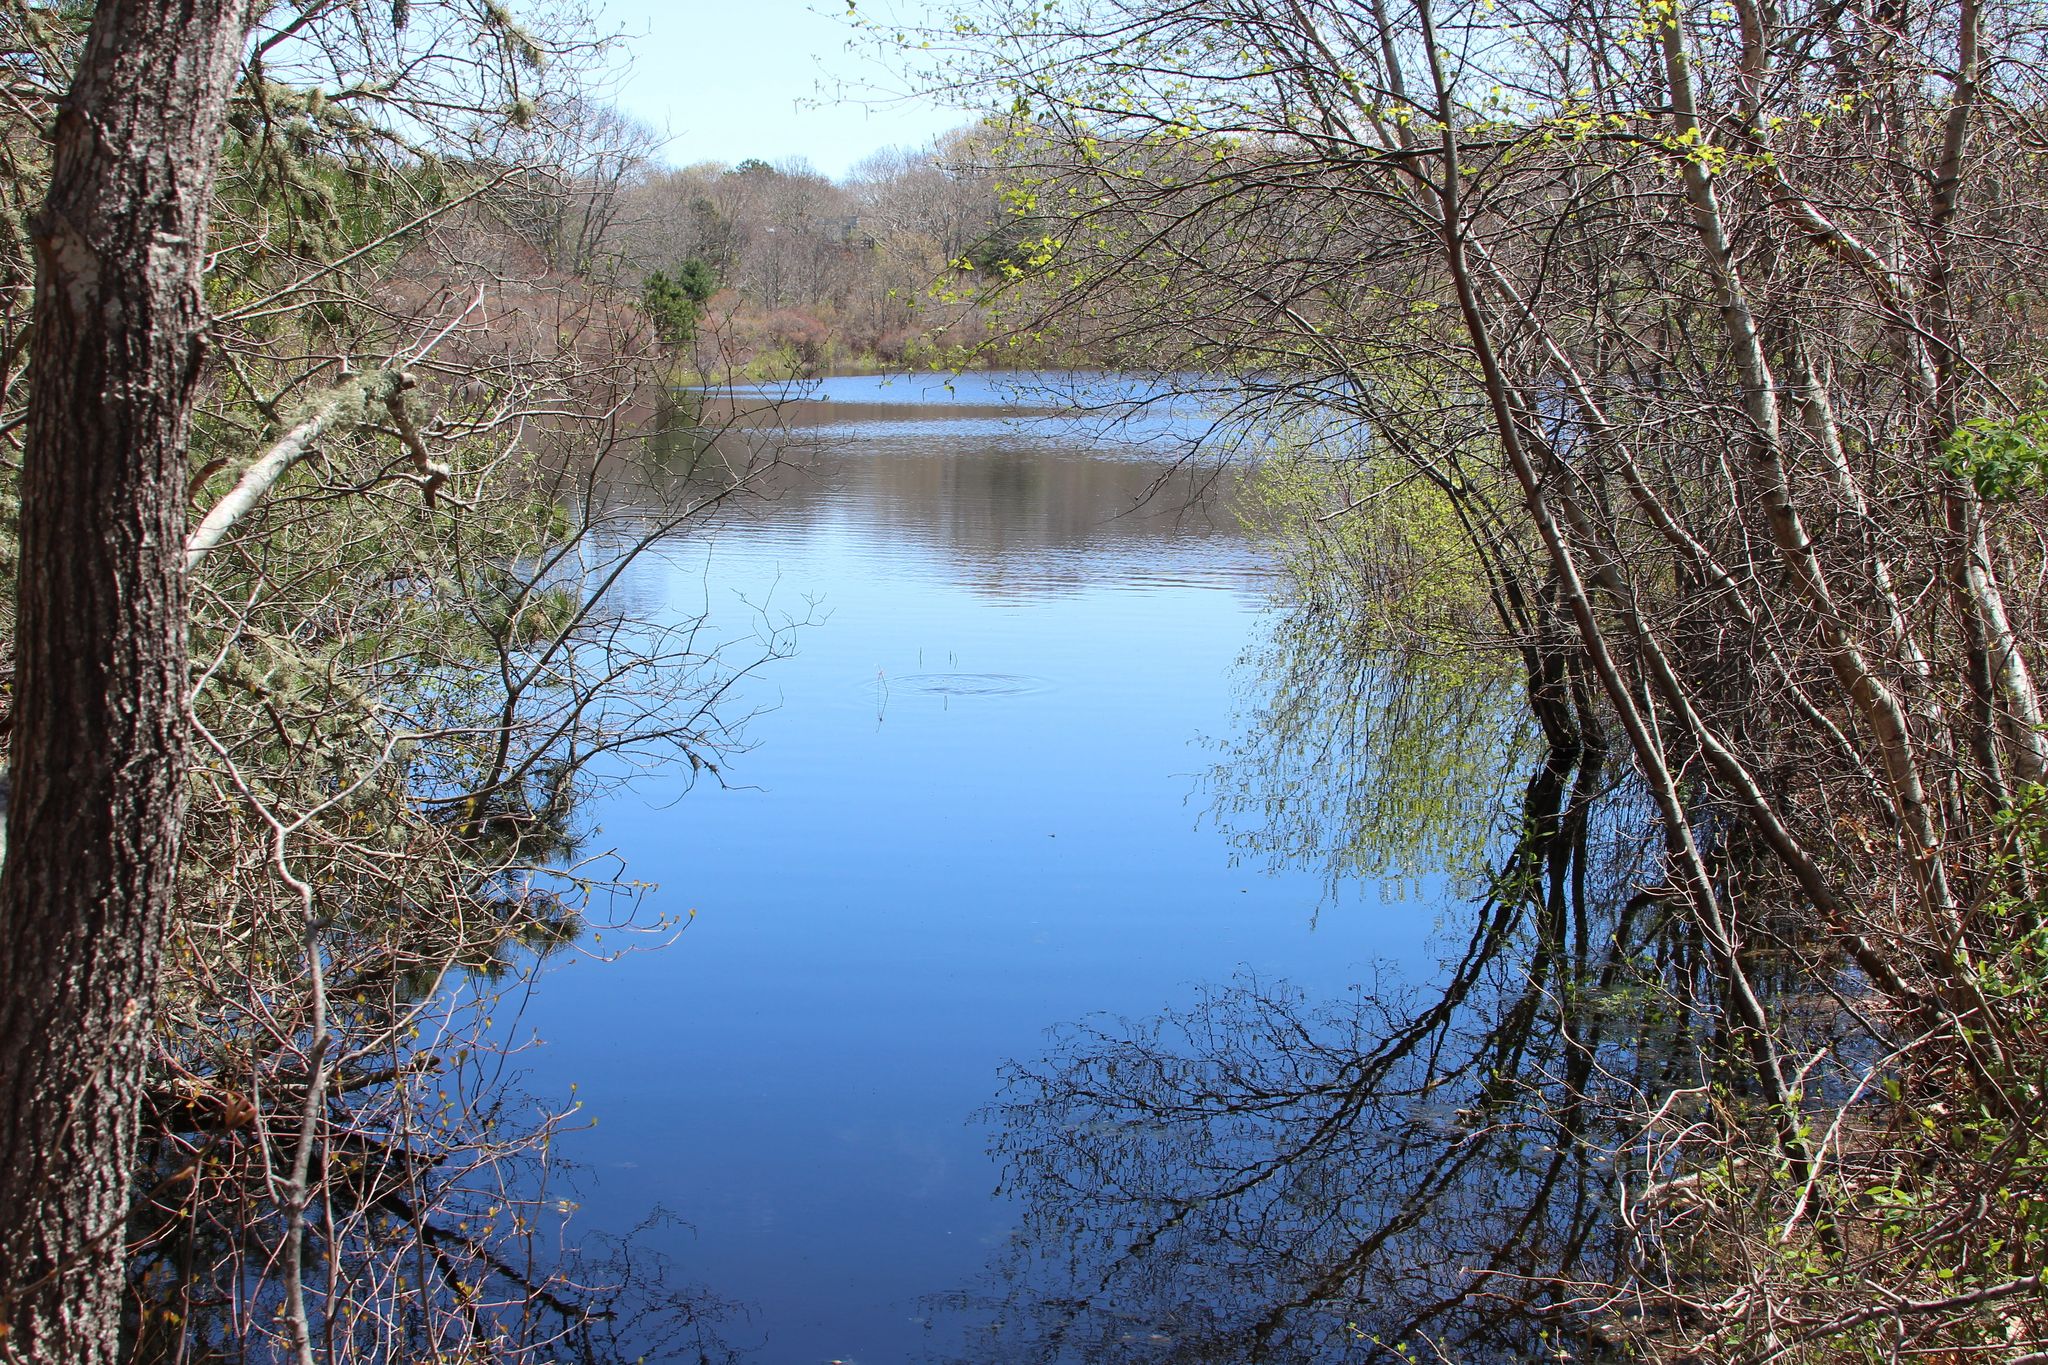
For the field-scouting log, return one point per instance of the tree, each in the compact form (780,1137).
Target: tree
(99,737)
(412,432)
(674,303)
(1715,325)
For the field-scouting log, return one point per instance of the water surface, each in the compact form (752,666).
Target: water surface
(971,810)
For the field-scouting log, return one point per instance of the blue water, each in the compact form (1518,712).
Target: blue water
(971,810)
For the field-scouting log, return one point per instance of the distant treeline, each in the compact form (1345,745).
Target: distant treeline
(767,270)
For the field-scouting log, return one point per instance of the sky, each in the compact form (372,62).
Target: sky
(725,80)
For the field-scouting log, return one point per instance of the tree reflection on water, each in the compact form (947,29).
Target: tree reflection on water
(1263,1176)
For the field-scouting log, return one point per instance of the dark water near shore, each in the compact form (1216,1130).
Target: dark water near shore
(973,808)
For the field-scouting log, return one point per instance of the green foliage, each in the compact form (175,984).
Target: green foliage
(675,303)
(1013,248)
(1376,723)
(1371,541)
(2003,458)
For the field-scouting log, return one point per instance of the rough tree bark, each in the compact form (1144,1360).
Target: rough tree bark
(98,747)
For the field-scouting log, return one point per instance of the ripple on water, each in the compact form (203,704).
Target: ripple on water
(969,684)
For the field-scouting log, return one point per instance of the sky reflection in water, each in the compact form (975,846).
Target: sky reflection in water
(972,813)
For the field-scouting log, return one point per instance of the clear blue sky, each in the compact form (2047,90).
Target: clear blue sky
(728,79)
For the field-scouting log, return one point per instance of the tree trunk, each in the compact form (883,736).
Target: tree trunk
(98,759)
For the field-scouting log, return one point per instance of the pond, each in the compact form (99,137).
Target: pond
(977,803)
